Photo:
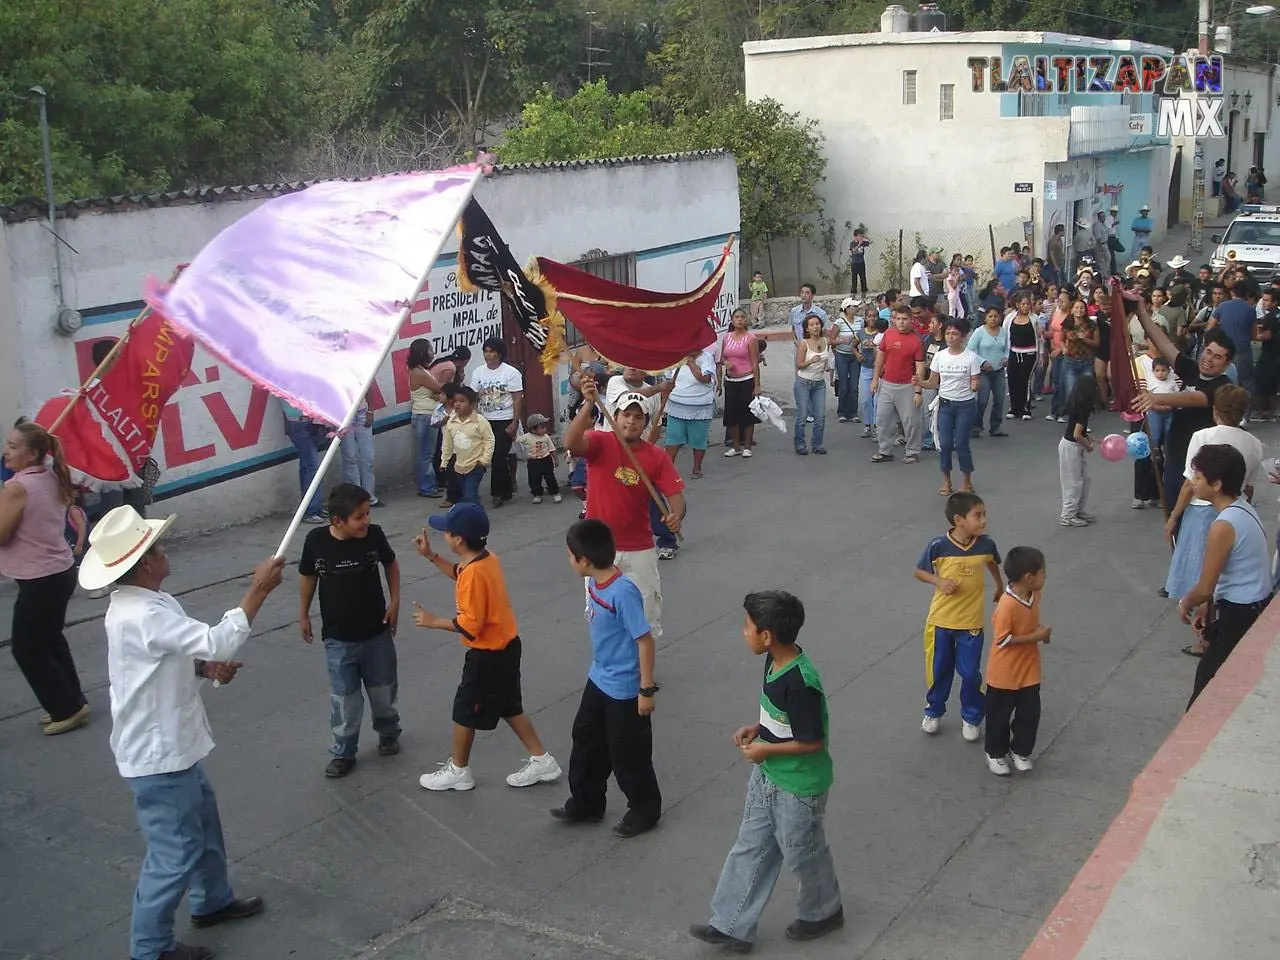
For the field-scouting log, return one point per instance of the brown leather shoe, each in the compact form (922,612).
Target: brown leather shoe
(235,910)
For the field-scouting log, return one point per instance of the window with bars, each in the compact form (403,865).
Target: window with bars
(1133,101)
(1064,98)
(947,101)
(908,88)
(1031,104)
(619,269)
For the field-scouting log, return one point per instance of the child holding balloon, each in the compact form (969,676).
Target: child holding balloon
(1073,470)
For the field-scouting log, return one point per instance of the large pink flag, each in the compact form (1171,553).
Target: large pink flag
(305,294)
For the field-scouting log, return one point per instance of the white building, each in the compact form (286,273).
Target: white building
(916,140)
(654,222)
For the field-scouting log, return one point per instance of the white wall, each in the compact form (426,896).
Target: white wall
(895,166)
(218,428)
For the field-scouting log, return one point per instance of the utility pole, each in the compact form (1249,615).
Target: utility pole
(591,62)
(1197,176)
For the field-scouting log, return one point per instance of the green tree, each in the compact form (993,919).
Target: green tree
(780,162)
(148,95)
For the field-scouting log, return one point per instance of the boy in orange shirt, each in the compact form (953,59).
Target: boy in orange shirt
(490,687)
(1013,672)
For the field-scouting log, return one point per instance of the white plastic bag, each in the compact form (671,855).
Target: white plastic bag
(766,411)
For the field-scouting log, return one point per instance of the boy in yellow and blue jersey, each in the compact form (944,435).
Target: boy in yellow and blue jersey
(953,564)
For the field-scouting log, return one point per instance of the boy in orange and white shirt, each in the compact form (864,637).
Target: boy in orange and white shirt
(1013,670)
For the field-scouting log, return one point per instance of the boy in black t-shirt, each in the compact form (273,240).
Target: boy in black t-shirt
(357,623)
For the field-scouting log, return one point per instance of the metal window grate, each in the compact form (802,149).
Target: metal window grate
(908,88)
(947,101)
(1133,101)
(1031,104)
(619,269)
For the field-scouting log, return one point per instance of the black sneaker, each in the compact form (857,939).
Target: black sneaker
(566,814)
(709,934)
(813,929)
(339,767)
(388,746)
(629,827)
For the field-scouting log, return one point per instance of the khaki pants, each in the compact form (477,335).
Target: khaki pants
(641,566)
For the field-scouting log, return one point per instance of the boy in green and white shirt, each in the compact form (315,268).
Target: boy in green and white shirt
(759,294)
(787,791)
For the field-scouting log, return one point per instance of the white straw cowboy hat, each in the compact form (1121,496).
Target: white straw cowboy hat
(117,543)
(1177,262)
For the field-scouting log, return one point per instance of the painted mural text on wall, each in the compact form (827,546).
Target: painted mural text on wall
(1099,73)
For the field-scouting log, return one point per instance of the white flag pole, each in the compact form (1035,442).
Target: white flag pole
(392,337)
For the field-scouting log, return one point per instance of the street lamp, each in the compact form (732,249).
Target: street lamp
(1261,10)
(1248,98)
(1235,99)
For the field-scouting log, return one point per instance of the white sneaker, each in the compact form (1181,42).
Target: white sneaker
(730,453)
(1008,416)
(1051,418)
(1026,416)
(543,769)
(666,553)
(1086,517)
(537,499)
(1062,419)
(930,724)
(1138,505)
(972,732)
(448,777)
(1022,764)
(557,498)
(747,453)
(1073,521)
(998,765)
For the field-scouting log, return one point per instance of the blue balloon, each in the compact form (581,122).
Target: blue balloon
(1139,445)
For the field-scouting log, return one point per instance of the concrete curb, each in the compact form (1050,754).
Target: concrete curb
(1068,927)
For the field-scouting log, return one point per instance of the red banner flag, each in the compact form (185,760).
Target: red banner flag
(1123,388)
(633,327)
(108,435)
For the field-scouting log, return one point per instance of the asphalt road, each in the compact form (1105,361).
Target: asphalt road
(937,858)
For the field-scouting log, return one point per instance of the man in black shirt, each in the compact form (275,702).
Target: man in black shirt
(357,623)
(1266,374)
(1192,408)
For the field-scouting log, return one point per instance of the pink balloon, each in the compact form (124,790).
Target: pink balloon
(1113,447)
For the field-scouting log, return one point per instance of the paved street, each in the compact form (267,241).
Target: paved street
(936,857)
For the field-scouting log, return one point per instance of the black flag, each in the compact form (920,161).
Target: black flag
(485,262)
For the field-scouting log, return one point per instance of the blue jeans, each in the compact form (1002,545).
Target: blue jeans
(178,817)
(847,370)
(811,401)
(373,664)
(357,457)
(1072,371)
(1158,423)
(469,485)
(777,828)
(425,435)
(955,424)
(868,398)
(1058,404)
(991,390)
(661,535)
(302,434)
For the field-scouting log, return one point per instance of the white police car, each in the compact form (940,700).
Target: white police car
(1252,240)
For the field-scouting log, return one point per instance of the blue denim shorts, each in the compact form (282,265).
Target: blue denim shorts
(690,433)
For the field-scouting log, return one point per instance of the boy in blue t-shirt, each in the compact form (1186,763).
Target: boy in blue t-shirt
(612,731)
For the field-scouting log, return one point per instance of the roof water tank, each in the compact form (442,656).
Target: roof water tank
(928,19)
(895,19)
(1222,40)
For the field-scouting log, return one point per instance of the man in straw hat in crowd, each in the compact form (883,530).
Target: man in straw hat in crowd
(157,657)
(1142,226)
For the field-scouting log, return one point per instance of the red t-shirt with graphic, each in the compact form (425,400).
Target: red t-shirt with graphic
(617,495)
(902,351)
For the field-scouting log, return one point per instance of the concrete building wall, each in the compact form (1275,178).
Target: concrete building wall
(222,446)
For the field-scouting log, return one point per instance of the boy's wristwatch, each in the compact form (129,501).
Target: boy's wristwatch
(648,691)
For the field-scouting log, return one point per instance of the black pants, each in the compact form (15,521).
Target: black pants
(501,483)
(39,646)
(1022,366)
(1016,712)
(445,476)
(859,274)
(1227,625)
(610,736)
(543,471)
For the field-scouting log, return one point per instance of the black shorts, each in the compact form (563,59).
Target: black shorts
(490,688)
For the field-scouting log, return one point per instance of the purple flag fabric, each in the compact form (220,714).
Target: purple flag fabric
(304,294)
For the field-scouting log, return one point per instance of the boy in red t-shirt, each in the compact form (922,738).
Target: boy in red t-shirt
(896,383)
(618,494)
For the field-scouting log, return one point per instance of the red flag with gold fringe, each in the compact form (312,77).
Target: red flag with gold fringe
(632,327)
(1124,389)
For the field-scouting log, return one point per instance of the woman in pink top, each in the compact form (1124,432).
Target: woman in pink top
(34,554)
(738,379)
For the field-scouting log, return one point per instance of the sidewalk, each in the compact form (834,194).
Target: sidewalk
(1191,866)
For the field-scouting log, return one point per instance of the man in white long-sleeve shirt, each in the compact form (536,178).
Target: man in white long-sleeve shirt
(158,658)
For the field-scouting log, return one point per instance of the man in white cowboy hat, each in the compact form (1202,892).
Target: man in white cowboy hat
(1178,276)
(157,657)
(1142,226)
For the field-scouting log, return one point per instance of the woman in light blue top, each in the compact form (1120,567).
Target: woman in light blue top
(991,342)
(1235,578)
